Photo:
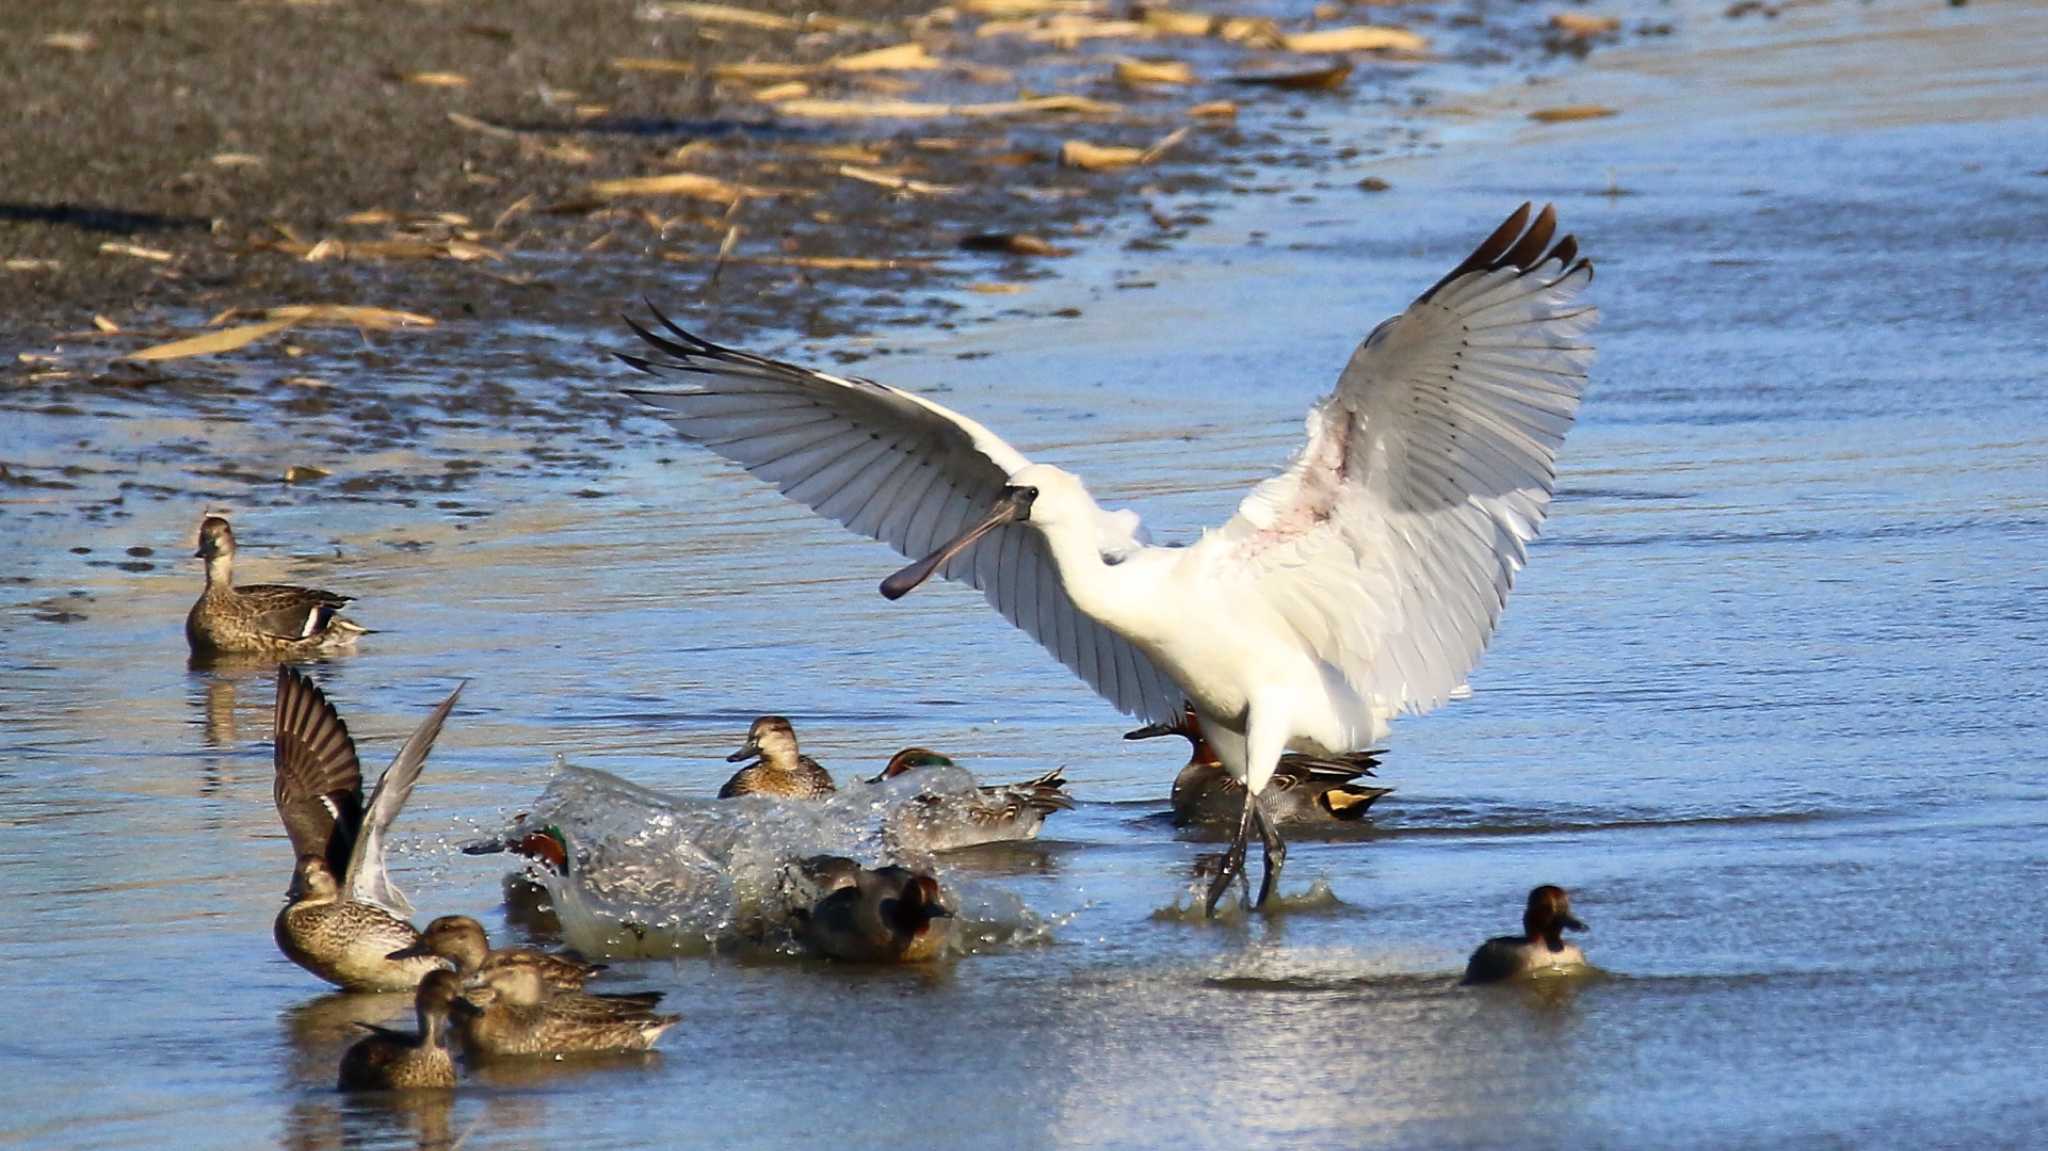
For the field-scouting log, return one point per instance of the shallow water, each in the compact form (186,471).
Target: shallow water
(1768,697)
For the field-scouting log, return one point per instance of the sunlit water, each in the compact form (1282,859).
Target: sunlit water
(1768,699)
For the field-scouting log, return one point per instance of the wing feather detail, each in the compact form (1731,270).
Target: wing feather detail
(1390,544)
(318,787)
(898,468)
(367,880)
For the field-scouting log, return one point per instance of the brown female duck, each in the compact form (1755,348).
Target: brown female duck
(1305,789)
(522,1016)
(388,1060)
(1540,949)
(344,918)
(461,941)
(780,770)
(261,619)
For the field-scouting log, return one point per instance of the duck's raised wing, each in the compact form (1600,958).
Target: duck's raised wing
(319,784)
(1390,543)
(903,470)
(368,881)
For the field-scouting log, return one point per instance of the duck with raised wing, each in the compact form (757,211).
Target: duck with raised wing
(345,917)
(779,769)
(952,811)
(388,1060)
(522,1016)
(261,619)
(462,941)
(1360,584)
(1539,950)
(885,915)
(1304,789)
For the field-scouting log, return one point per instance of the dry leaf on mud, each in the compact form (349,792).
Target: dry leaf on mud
(817,109)
(1169,22)
(786,91)
(996,289)
(438,79)
(1566,112)
(1355,38)
(906,57)
(895,181)
(1098,158)
(1065,30)
(821,263)
(753,70)
(235,160)
(70,41)
(1309,80)
(687,184)
(726,14)
(1214,110)
(103,324)
(651,64)
(484,126)
(370,217)
(1584,24)
(117,248)
(1143,73)
(300,473)
(1013,243)
(1013,8)
(354,315)
(210,343)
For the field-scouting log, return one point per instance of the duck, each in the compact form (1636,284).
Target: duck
(261,619)
(885,915)
(1305,788)
(344,918)
(462,942)
(1540,949)
(521,1015)
(780,770)
(388,1060)
(954,812)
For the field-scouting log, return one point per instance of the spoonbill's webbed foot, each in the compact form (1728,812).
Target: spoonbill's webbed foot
(1232,867)
(1276,852)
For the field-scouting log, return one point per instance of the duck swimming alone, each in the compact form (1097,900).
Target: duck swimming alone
(261,619)
(462,941)
(1539,949)
(885,915)
(1304,789)
(345,918)
(388,1060)
(522,1016)
(957,812)
(780,770)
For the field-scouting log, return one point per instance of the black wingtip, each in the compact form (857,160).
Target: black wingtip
(1518,243)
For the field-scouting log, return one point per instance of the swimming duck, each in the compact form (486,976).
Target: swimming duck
(781,771)
(959,813)
(1541,946)
(265,619)
(521,1015)
(1305,789)
(388,1060)
(886,915)
(461,941)
(344,918)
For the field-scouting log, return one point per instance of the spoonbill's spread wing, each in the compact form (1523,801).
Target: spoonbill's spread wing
(901,469)
(1390,542)
(367,881)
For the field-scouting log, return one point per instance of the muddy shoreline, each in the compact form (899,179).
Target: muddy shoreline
(193,161)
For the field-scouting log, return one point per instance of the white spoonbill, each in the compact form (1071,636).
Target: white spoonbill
(1360,583)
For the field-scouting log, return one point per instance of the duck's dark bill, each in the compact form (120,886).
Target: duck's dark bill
(416,951)
(1574,923)
(751,751)
(1014,505)
(1152,731)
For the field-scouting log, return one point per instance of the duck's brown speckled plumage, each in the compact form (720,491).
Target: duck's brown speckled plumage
(1540,949)
(462,942)
(262,619)
(344,918)
(521,1016)
(388,1060)
(781,771)
(954,817)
